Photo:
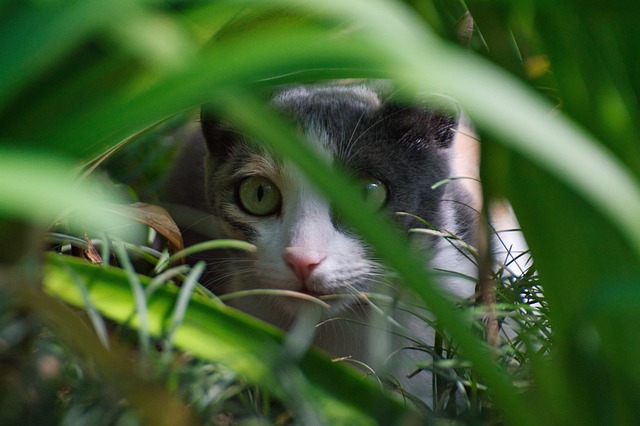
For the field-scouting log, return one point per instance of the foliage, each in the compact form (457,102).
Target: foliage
(553,88)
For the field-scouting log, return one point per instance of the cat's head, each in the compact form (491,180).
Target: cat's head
(396,151)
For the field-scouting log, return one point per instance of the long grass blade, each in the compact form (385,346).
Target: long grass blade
(244,344)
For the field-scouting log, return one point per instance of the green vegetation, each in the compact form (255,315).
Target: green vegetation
(552,87)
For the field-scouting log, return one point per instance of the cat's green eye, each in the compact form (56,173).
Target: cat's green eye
(259,196)
(374,192)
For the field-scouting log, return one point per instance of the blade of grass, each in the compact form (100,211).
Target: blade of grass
(141,310)
(212,245)
(96,320)
(186,290)
(279,293)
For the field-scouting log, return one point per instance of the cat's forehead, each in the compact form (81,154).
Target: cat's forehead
(354,126)
(329,116)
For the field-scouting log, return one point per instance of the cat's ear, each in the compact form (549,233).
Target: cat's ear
(426,125)
(219,135)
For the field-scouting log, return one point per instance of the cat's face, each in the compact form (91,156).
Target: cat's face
(396,153)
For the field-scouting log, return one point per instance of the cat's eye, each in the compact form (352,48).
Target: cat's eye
(374,192)
(259,196)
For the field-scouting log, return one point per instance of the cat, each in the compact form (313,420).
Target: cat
(397,152)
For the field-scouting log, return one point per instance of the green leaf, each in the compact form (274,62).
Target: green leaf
(36,34)
(221,334)
(262,58)
(43,188)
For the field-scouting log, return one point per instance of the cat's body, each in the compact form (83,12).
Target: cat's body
(398,152)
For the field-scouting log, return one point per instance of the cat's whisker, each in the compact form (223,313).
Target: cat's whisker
(219,279)
(346,152)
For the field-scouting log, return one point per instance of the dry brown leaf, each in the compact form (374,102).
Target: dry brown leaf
(90,252)
(157,218)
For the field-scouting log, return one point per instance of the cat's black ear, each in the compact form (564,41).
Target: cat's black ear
(431,127)
(219,135)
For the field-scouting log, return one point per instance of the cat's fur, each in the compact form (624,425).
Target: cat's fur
(407,147)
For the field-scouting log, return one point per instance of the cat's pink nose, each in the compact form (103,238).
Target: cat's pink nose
(302,261)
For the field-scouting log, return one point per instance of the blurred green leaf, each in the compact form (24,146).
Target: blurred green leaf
(220,334)
(614,326)
(579,250)
(37,34)
(593,56)
(42,189)
(569,246)
(271,56)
